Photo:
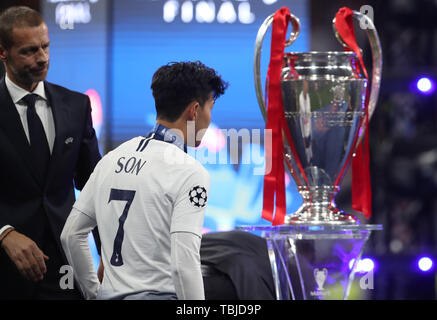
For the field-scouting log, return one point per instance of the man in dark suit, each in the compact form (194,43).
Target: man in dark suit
(48,146)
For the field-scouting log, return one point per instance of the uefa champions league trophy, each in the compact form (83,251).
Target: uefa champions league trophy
(315,252)
(323,95)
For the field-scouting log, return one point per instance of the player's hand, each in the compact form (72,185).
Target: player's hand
(100,271)
(26,255)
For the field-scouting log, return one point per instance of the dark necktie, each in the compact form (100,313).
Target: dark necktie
(38,141)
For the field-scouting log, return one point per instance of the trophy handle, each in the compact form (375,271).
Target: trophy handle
(375,45)
(257,62)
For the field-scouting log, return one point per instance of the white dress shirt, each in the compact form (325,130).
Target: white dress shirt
(42,109)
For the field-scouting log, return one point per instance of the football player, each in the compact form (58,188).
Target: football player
(148,198)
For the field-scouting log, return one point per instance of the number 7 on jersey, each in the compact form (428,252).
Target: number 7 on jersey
(120,195)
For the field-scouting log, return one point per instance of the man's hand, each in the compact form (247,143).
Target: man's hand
(100,271)
(26,255)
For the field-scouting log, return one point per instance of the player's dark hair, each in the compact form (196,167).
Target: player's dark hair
(15,17)
(177,84)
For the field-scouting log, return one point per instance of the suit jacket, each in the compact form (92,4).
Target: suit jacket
(27,204)
(243,257)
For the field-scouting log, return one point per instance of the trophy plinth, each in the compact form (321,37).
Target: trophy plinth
(314,262)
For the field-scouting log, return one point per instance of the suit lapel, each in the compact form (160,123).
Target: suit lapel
(60,111)
(10,124)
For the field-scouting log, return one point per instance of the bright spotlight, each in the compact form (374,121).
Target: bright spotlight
(364,265)
(425,264)
(425,85)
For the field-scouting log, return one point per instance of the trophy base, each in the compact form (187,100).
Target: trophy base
(324,216)
(319,208)
(315,262)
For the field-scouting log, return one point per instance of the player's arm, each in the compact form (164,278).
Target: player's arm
(185,262)
(186,233)
(74,240)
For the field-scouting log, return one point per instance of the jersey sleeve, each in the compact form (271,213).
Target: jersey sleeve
(85,201)
(190,205)
(185,266)
(74,239)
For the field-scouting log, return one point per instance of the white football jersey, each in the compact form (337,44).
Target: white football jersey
(139,194)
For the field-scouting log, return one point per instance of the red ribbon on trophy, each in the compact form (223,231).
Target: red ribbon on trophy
(274,181)
(361,186)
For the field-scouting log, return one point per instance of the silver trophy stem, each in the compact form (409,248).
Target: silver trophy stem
(319,208)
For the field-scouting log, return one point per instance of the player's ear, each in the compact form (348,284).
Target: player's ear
(192,110)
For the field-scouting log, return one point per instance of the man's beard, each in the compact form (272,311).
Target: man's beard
(28,77)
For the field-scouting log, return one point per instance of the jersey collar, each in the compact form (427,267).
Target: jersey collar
(165,134)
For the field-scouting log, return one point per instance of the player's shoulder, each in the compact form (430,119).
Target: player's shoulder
(193,165)
(131,145)
(124,148)
(196,163)
(200,168)
(176,161)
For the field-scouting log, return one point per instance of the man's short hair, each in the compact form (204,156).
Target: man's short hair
(16,17)
(177,84)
